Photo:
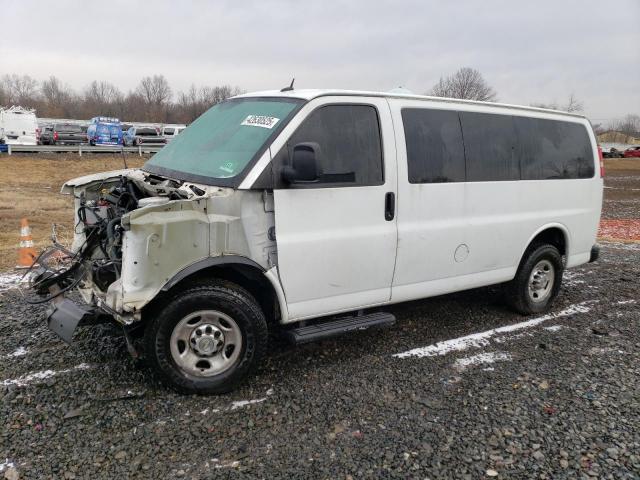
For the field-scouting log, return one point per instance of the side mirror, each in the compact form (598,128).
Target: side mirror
(304,166)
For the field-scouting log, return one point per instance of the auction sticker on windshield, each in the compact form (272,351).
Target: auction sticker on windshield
(260,121)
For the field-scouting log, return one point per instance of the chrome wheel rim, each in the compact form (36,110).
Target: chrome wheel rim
(206,343)
(541,281)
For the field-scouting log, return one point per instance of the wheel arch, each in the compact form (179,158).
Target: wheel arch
(555,234)
(262,284)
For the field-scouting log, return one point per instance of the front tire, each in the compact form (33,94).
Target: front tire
(206,339)
(537,281)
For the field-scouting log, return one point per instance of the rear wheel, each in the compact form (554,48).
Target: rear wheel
(537,281)
(206,339)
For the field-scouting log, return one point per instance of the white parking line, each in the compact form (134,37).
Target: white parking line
(41,375)
(481,339)
(480,359)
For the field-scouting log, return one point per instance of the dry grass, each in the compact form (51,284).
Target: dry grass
(621,164)
(30,186)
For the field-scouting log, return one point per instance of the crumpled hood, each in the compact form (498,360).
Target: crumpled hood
(69,185)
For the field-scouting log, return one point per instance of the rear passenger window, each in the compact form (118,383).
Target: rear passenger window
(435,152)
(550,149)
(490,146)
(350,145)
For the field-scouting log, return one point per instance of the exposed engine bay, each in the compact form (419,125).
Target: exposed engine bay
(97,250)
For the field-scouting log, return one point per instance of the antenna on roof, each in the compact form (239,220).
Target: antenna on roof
(290,87)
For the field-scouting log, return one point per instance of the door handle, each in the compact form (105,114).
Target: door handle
(389,206)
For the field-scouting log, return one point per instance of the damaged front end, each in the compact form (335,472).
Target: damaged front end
(94,264)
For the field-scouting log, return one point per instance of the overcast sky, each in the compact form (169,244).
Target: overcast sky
(529,51)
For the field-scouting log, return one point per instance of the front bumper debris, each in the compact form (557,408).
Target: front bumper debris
(63,316)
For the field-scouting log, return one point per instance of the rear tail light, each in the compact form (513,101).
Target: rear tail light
(601,161)
(55,135)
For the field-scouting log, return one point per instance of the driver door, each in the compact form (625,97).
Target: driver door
(337,236)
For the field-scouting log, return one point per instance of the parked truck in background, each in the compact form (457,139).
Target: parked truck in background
(67,134)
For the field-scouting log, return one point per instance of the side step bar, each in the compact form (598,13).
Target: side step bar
(334,328)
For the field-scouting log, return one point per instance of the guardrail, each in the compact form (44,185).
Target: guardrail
(79,149)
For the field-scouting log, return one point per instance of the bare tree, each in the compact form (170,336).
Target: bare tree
(466,83)
(156,94)
(572,105)
(102,93)
(20,90)
(629,125)
(59,99)
(195,101)
(154,90)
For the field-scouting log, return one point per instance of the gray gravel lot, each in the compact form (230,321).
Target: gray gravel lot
(556,402)
(554,396)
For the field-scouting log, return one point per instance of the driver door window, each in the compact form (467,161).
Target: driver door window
(350,146)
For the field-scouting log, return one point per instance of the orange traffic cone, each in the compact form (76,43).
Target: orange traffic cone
(26,252)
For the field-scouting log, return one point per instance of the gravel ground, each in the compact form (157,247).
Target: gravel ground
(459,388)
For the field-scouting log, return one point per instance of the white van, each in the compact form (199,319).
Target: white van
(19,125)
(171,131)
(303,210)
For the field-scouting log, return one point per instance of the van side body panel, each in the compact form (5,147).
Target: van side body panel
(454,236)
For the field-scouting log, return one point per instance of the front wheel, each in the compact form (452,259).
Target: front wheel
(206,339)
(537,281)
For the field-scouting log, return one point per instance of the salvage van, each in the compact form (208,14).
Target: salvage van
(18,126)
(308,211)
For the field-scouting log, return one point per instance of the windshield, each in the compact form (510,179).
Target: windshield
(224,140)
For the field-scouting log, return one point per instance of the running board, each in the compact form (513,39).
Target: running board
(334,328)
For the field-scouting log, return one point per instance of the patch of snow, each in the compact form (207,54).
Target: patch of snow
(488,369)
(9,281)
(19,352)
(6,464)
(42,375)
(225,464)
(625,302)
(244,403)
(481,339)
(572,277)
(481,358)
(554,328)
(621,246)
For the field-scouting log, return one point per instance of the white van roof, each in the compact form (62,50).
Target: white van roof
(309,94)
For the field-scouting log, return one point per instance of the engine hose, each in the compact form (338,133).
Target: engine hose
(111,236)
(132,192)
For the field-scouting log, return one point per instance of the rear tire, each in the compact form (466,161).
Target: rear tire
(206,339)
(537,281)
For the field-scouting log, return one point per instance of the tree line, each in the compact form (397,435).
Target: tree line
(152,100)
